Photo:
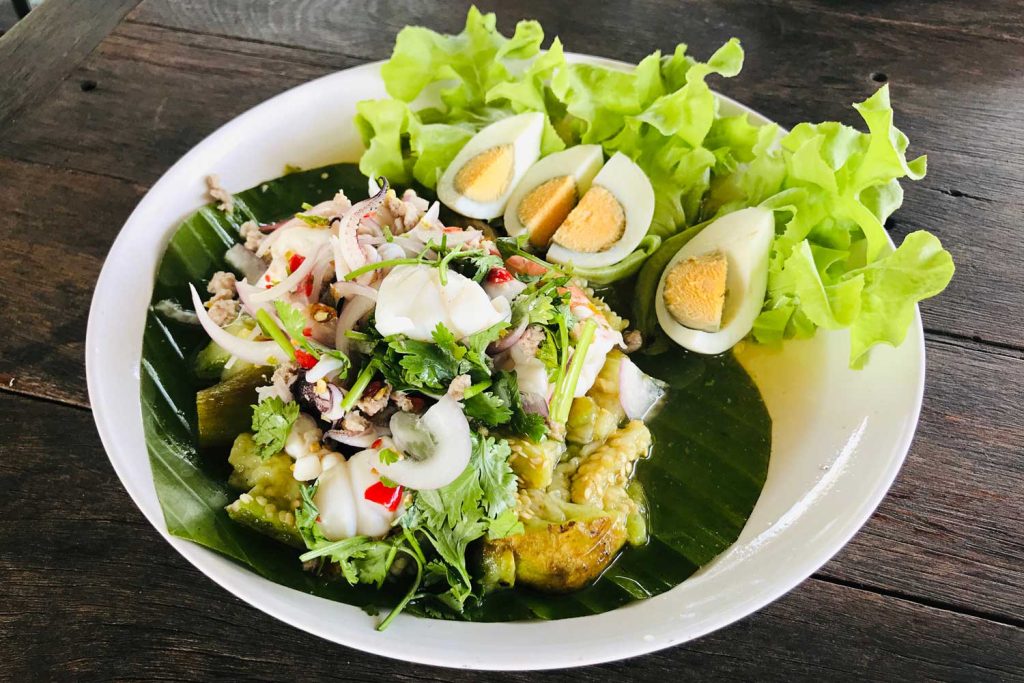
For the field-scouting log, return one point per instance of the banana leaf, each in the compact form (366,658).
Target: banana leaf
(712,439)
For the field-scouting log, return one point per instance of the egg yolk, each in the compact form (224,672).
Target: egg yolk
(486,176)
(695,291)
(597,223)
(546,207)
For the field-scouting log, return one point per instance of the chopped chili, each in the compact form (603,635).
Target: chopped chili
(306,360)
(496,276)
(389,497)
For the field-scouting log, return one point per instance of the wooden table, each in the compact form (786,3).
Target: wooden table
(98,98)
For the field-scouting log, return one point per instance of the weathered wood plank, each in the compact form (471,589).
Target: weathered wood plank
(950,529)
(40,51)
(8,17)
(145,111)
(64,615)
(156,94)
(55,230)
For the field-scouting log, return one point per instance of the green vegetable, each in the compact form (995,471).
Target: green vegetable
(480,502)
(271,329)
(211,360)
(225,409)
(266,519)
(534,461)
(559,558)
(272,420)
(562,399)
(835,185)
(313,220)
(476,66)
(295,323)
(831,264)
(269,491)
(658,114)
(410,364)
(359,386)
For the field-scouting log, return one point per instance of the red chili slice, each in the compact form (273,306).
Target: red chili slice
(389,497)
(294,262)
(496,276)
(306,360)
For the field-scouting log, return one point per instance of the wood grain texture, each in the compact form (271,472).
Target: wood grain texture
(8,17)
(40,51)
(949,531)
(105,598)
(146,111)
(55,230)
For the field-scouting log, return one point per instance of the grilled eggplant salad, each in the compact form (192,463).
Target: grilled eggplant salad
(489,374)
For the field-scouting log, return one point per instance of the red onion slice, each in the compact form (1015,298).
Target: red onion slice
(245,292)
(509,340)
(257,353)
(324,367)
(348,290)
(361,440)
(535,403)
(292,281)
(351,313)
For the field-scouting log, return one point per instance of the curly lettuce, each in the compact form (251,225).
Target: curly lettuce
(832,187)
(658,114)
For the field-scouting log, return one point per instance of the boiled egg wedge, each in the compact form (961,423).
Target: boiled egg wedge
(480,179)
(548,192)
(713,289)
(610,219)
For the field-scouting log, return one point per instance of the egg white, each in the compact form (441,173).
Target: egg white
(524,133)
(632,189)
(745,237)
(582,162)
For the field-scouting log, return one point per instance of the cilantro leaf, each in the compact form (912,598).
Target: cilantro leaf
(444,338)
(531,425)
(477,344)
(272,420)
(505,524)
(497,481)
(547,353)
(489,408)
(388,456)
(294,322)
(424,365)
(454,516)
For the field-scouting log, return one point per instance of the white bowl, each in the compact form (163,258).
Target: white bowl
(839,436)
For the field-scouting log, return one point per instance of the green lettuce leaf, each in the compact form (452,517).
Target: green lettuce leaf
(919,269)
(831,264)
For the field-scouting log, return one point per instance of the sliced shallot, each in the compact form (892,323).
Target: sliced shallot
(257,353)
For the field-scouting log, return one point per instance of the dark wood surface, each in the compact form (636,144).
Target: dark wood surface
(93,111)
